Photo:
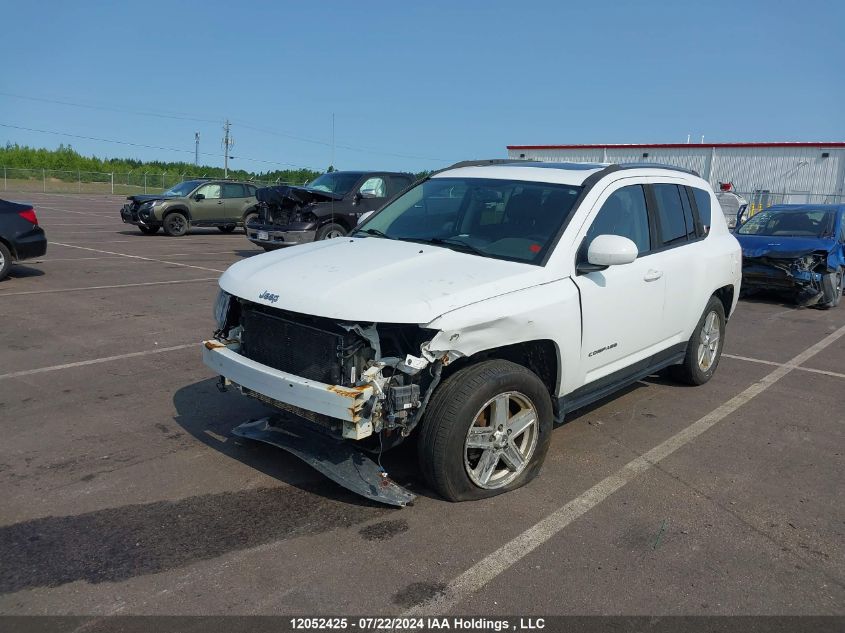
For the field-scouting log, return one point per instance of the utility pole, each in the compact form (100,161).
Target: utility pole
(228,143)
(196,149)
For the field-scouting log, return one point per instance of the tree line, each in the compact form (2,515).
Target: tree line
(65,158)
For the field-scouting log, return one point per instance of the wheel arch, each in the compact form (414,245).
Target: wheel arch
(177,209)
(11,248)
(726,295)
(540,356)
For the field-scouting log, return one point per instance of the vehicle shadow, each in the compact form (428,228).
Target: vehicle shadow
(770,297)
(161,234)
(209,416)
(20,271)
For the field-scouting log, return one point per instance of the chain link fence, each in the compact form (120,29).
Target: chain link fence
(763,199)
(128,183)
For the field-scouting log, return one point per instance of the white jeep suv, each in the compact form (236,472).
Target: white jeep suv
(479,307)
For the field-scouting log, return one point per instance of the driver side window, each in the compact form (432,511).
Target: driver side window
(374,188)
(623,213)
(211,192)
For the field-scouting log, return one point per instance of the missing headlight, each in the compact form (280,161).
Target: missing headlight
(221,310)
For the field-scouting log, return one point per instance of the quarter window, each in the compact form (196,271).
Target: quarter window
(702,201)
(623,213)
(670,214)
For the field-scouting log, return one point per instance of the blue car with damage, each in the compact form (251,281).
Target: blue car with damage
(797,249)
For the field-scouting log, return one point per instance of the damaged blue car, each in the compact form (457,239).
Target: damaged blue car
(797,249)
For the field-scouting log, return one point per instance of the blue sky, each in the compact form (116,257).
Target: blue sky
(418,85)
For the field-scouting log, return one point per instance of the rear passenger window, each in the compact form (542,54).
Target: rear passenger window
(623,213)
(670,214)
(233,190)
(702,201)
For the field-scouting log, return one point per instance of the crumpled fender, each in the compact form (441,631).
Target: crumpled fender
(531,314)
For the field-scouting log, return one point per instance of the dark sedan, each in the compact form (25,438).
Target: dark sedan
(796,248)
(20,235)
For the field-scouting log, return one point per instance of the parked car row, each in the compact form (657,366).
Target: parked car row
(272,217)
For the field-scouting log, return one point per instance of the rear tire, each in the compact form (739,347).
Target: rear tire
(229,228)
(5,261)
(832,290)
(149,230)
(494,413)
(329,231)
(175,224)
(704,348)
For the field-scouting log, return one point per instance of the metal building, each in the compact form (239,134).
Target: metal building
(764,173)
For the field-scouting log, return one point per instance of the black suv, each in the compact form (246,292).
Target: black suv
(327,207)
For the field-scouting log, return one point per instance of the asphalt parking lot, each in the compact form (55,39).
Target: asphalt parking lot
(124,492)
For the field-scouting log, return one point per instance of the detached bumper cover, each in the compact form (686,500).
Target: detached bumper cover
(344,403)
(337,460)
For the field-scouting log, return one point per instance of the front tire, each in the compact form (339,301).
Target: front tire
(329,231)
(486,431)
(175,224)
(704,348)
(250,218)
(832,290)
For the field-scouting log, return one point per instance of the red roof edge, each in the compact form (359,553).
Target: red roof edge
(820,145)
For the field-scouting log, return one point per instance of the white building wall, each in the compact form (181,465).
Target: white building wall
(791,174)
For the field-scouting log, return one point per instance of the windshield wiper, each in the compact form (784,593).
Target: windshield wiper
(375,232)
(448,242)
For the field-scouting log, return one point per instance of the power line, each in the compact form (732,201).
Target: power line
(186,117)
(158,147)
(163,114)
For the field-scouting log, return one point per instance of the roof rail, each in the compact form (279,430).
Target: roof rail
(653,166)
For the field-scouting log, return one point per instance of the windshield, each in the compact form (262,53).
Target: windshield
(504,219)
(335,182)
(183,188)
(810,223)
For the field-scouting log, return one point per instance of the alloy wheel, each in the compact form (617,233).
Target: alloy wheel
(501,441)
(709,340)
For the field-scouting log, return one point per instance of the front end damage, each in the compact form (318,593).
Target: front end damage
(801,274)
(337,381)
(287,216)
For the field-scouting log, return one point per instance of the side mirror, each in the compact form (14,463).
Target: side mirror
(357,198)
(199,197)
(609,250)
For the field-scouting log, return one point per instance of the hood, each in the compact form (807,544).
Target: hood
(782,247)
(375,280)
(285,195)
(141,199)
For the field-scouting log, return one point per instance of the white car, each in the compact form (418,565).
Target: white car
(479,307)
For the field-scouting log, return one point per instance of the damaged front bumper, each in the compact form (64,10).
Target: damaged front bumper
(272,236)
(351,405)
(801,275)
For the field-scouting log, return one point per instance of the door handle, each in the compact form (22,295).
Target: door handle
(653,275)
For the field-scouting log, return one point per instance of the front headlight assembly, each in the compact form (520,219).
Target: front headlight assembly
(221,309)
